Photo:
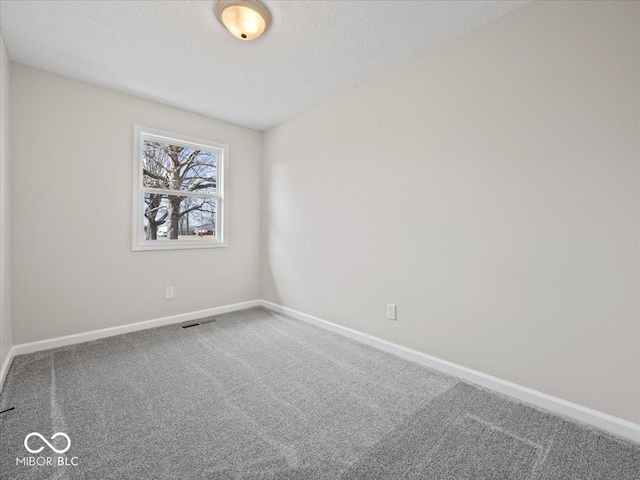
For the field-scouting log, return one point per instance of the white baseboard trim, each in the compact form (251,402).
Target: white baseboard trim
(6,365)
(131,327)
(601,420)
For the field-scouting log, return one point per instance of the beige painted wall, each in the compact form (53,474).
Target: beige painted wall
(6,336)
(73,268)
(489,188)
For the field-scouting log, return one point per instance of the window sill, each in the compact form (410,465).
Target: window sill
(177,245)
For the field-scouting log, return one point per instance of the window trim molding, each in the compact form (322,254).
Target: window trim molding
(137,241)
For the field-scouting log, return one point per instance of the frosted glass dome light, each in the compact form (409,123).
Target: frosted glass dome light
(245,19)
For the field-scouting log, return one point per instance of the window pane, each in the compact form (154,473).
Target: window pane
(174,167)
(174,217)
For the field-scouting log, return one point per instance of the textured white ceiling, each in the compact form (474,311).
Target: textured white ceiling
(176,52)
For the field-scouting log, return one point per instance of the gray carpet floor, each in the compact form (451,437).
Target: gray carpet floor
(257,395)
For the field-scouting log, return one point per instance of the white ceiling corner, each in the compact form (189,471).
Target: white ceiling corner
(177,53)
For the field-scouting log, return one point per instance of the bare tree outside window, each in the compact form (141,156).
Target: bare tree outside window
(180,188)
(173,167)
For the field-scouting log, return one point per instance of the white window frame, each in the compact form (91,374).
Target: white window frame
(138,241)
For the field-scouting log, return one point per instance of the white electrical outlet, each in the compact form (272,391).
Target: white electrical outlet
(391,311)
(168,292)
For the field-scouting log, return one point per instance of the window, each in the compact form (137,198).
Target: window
(179,193)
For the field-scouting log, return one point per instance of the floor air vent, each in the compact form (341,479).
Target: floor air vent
(202,322)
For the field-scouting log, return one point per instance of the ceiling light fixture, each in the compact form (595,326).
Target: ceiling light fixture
(245,19)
